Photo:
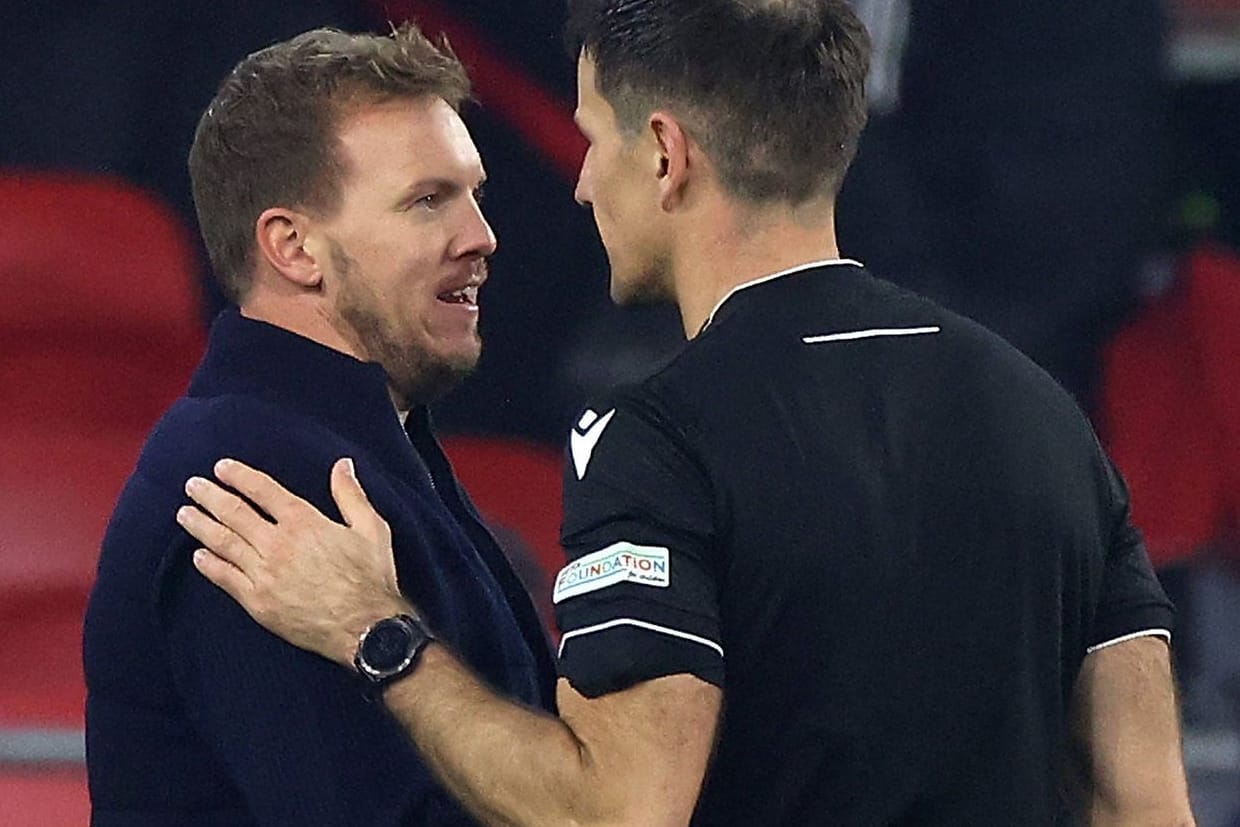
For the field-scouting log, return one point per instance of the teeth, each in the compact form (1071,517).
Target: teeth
(466,295)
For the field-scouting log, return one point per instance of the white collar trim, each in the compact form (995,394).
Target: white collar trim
(808,266)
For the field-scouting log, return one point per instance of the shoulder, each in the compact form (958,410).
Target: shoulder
(196,432)
(632,419)
(637,450)
(189,439)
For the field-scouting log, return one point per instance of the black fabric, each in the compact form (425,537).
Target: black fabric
(1020,181)
(195,714)
(903,545)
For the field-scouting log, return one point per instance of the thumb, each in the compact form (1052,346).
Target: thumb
(353,503)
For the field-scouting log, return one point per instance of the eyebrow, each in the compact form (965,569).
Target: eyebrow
(446,185)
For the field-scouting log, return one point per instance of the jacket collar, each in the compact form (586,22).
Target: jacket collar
(253,358)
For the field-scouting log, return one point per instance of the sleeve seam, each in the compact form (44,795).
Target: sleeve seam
(1154,632)
(641,624)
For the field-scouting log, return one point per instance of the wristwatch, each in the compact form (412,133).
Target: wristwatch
(389,650)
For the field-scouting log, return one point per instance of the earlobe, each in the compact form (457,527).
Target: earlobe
(281,237)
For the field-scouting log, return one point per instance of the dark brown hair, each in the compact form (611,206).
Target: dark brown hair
(774,90)
(269,138)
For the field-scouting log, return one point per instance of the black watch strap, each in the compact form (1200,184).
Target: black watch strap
(389,650)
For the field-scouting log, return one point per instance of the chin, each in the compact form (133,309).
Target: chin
(639,292)
(620,293)
(648,283)
(423,378)
(431,384)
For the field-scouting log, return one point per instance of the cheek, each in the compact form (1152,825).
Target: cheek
(609,200)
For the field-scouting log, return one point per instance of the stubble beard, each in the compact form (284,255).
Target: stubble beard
(415,377)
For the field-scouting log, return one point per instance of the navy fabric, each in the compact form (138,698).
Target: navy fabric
(197,715)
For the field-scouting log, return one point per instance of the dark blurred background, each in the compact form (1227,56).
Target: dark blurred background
(1066,173)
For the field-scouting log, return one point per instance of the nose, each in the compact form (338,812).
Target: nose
(476,237)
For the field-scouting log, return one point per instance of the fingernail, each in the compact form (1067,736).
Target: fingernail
(199,556)
(348,467)
(193,484)
(223,465)
(183,514)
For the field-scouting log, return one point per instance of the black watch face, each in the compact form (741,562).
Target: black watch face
(387,645)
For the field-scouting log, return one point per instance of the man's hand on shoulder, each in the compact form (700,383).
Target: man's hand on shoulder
(319,584)
(314,582)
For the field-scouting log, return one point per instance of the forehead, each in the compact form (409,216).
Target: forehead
(594,115)
(400,140)
(588,97)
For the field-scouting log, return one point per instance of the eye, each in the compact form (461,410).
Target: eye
(429,201)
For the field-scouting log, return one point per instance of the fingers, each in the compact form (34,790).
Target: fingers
(227,508)
(261,489)
(354,505)
(223,574)
(220,540)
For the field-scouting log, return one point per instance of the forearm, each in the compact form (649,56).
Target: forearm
(1103,815)
(1162,802)
(509,765)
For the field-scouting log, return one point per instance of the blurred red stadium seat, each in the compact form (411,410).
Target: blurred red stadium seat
(43,797)
(1170,410)
(99,331)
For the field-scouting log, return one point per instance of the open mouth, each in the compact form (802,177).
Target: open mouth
(466,295)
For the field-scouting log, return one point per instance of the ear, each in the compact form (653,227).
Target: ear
(281,237)
(674,149)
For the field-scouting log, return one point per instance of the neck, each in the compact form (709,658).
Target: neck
(734,246)
(299,315)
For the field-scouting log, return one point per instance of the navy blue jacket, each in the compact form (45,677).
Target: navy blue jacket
(198,716)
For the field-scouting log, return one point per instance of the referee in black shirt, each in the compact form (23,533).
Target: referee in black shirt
(849,560)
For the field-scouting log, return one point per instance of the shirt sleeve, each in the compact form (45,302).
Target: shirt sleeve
(637,599)
(1131,603)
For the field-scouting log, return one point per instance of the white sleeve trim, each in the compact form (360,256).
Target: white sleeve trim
(1163,633)
(641,624)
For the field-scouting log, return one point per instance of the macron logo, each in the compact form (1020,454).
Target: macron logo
(585,436)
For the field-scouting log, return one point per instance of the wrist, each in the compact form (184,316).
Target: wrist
(389,649)
(351,629)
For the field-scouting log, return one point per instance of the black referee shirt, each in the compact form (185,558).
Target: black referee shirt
(887,535)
